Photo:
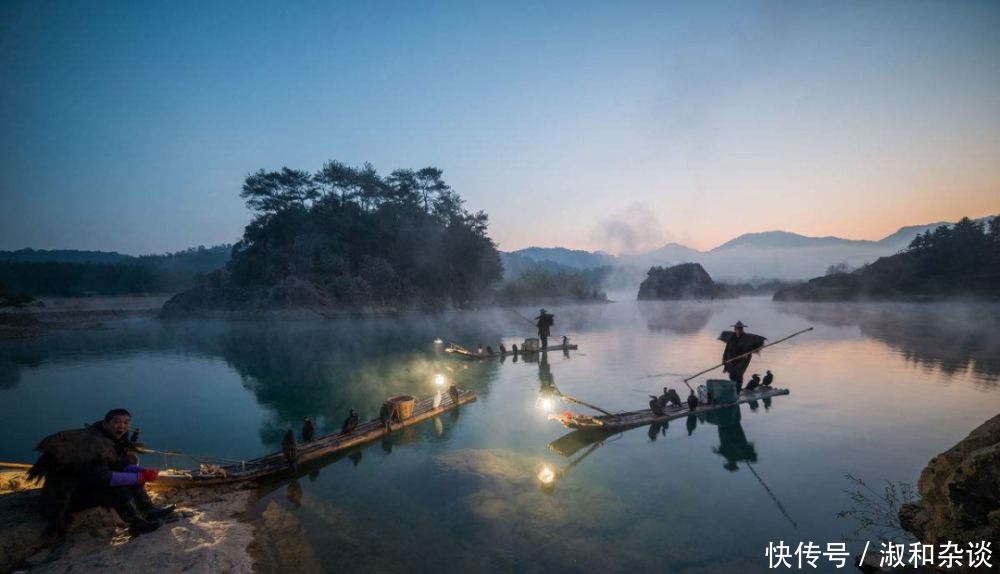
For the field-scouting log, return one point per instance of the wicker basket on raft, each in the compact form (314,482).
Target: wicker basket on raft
(402,406)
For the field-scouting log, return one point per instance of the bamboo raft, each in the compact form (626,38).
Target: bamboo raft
(459,351)
(633,419)
(321,447)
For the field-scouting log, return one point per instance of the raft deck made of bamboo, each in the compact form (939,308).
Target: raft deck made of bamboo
(633,419)
(275,464)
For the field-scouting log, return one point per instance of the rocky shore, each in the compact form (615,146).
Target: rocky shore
(49,315)
(960,492)
(212,531)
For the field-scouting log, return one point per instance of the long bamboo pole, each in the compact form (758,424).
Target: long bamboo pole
(15,465)
(579,402)
(747,354)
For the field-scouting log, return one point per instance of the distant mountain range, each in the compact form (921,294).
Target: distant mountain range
(766,255)
(770,254)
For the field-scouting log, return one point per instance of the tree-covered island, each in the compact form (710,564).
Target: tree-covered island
(349,240)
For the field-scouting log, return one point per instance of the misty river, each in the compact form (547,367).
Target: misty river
(877,390)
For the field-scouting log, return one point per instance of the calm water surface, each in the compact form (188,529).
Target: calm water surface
(876,391)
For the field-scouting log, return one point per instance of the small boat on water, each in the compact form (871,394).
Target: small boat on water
(633,419)
(275,464)
(463,352)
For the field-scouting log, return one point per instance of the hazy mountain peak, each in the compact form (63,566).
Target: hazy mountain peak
(784,239)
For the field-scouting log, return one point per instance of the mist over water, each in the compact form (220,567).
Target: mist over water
(876,390)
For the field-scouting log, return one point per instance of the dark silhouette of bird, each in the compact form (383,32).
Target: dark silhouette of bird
(767,379)
(453,393)
(385,416)
(350,423)
(489,350)
(654,406)
(355,457)
(692,400)
(654,431)
(503,350)
(308,429)
(673,397)
(290,450)
(294,493)
(754,382)
(513,349)
(692,423)
(663,399)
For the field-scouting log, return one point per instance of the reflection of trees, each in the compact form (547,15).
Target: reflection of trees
(952,337)
(294,368)
(680,318)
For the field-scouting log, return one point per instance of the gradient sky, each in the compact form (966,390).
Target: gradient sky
(129,126)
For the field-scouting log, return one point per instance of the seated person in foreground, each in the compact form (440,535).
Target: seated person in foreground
(96,466)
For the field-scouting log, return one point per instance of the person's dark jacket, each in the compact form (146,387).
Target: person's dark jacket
(87,458)
(736,346)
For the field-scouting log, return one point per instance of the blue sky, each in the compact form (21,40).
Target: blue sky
(592,125)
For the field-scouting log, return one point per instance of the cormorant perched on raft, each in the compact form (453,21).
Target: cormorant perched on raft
(513,349)
(308,429)
(350,423)
(503,350)
(654,406)
(754,382)
(489,350)
(767,379)
(385,416)
(453,393)
(692,400)
(672,396)
(290,450)
(663,400)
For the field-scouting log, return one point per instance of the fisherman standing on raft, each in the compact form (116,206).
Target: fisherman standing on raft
(738,343)
(544,322)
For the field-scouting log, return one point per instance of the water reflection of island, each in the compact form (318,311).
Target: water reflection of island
(683,318)
(933,334)
(314,368)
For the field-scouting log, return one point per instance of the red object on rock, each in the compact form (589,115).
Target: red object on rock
(148,475)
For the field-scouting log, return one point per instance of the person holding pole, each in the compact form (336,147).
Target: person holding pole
(544,322)
(736,356)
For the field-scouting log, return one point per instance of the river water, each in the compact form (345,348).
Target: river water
(876,391)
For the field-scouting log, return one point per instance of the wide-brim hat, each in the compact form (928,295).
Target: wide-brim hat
(739,324)
(542,311)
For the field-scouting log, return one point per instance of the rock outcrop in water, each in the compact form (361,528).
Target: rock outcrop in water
(684,281)
(960,492)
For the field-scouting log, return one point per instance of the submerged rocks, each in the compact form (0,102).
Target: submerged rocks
(960,492)
(684,281)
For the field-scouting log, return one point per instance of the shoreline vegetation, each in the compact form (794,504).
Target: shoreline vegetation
(51,314)
(953,262)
